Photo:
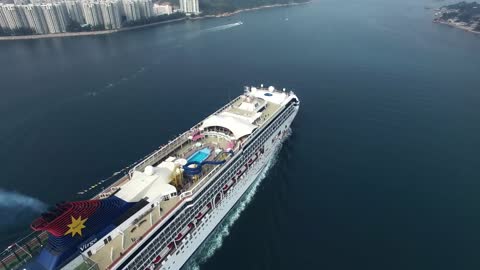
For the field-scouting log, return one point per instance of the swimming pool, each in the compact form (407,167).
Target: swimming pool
(200,155)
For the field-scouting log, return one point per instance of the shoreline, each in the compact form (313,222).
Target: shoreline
(107,32)
(464,28)
(91,33)
(228,14)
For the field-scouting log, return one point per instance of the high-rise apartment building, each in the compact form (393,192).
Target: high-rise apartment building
(132,10)
(21,2)
(35,18)
(93,13)
(75,11)
(111,14)
(189,6)
(55,16)
(3,19)
(146,8)
(14,17)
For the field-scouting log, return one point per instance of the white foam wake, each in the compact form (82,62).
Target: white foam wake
(13,205)
(111,85)
(223,27)
(215,240)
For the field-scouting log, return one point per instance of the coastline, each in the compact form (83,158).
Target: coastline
(464,28)
(92,33)
(227,14)
(106,32)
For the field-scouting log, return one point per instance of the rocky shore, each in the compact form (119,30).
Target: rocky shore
(463,15)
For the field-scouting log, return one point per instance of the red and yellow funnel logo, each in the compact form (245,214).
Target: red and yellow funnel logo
(76,226)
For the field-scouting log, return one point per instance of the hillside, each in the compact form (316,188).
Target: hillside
(462,14)
(222,6)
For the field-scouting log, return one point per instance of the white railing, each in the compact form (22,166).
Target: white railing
(108,193)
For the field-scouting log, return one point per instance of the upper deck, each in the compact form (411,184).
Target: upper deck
(169,176)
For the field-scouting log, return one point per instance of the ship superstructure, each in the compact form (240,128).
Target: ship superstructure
(166,206)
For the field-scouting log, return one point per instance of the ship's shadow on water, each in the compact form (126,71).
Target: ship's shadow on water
(215,240)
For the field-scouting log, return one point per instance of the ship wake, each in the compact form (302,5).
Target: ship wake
(14,206)
(223,27)
(215,240)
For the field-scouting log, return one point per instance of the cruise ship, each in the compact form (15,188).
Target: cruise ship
(159,213)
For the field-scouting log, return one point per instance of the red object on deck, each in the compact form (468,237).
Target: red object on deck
(181,235)
(157,259)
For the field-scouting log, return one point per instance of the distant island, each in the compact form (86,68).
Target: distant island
(463,15)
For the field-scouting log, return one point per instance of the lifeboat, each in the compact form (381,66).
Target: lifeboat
(228,185)
(202,212)
(163,254)
(241,171)
(218,198)
(250,161)
(157,260)
(183,232)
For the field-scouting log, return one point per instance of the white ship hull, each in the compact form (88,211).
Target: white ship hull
(195,239)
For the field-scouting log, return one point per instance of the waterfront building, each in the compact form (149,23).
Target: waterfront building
(21,2)
(75,11)
(35,18)
(3,19)
(55,16)
(111,14)
(93,14)
(146,8)
(189,6)
(163,9)
(132,10)
(14,18)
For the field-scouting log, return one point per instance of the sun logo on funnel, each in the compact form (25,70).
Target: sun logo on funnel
(76,226)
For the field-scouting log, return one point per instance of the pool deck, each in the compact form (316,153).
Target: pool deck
(201,155)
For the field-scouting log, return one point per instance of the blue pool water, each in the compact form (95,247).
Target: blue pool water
(200,155)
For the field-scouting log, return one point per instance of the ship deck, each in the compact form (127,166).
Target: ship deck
(126,240)
(113,249)
(121,244)
(270,109)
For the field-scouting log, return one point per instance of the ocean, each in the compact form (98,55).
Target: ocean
(381,170)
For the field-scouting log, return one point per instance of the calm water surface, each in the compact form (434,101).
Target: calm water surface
(382,168)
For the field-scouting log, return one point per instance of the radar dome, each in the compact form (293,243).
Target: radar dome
(271,88)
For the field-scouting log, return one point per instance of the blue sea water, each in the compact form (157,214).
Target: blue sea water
(381,170)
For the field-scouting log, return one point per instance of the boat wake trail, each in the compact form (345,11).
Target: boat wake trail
(223,27)
(14,206)
(215,240)
(112,85)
